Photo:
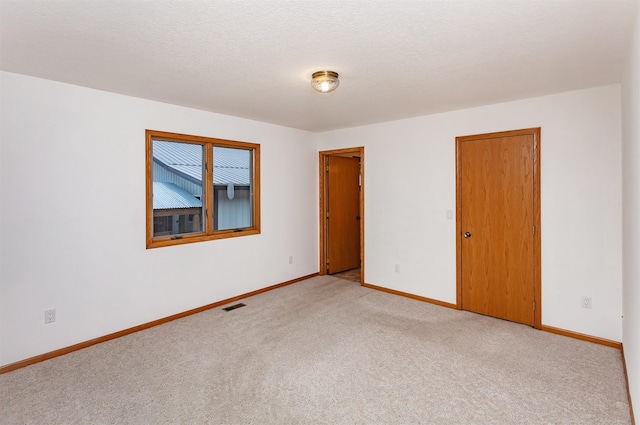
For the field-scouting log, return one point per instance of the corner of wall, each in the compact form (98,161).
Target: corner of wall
(630,214)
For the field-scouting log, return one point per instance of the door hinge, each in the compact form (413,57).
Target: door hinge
(327,169)
(327,214)
(534,306)
(534,230)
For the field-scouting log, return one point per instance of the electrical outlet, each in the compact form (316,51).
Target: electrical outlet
(586,302)
(291,259)
(397,268)
(49,316)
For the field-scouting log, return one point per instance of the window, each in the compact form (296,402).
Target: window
(199,189)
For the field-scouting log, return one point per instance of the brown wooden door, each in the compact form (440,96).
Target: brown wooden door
(343,225)
(497,206)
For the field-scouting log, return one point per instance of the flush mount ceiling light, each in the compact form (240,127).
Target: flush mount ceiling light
(325,81)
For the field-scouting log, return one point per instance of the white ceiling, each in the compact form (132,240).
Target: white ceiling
(254,58)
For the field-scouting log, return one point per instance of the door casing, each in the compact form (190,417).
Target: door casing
(536,216)
(323,155)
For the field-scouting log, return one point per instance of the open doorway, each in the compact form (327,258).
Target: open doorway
(342,213)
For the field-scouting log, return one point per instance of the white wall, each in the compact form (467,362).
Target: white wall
(73,224)
(72,175)
(410,185)
(631,216)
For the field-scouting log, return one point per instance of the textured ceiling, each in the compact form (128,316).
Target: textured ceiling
(254,58)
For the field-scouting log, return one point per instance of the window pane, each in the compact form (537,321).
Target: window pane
(200,189)
(177,188)
(232,188)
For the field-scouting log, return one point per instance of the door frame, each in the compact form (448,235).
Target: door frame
(322,157)
(537,285)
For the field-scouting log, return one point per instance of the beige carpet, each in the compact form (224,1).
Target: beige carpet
(352,275)
(325,351)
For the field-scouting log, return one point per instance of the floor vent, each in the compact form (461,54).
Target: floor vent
(233,307)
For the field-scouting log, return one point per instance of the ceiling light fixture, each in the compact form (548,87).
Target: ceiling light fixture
(325,81)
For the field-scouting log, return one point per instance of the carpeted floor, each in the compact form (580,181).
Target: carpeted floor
(353,275)
(325,351)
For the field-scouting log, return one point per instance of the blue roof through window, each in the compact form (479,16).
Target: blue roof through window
(170,196)
(230,165)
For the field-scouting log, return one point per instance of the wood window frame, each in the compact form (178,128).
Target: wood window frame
(208,233)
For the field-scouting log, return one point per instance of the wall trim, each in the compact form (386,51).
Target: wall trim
(66,350)
(626,380)
(412,296)
(584,337)
(551,329)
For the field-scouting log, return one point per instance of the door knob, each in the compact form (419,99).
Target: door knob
(467,235)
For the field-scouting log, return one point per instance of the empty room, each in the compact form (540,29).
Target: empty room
(319,212)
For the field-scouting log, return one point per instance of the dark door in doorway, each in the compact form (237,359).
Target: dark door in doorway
(343,213)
